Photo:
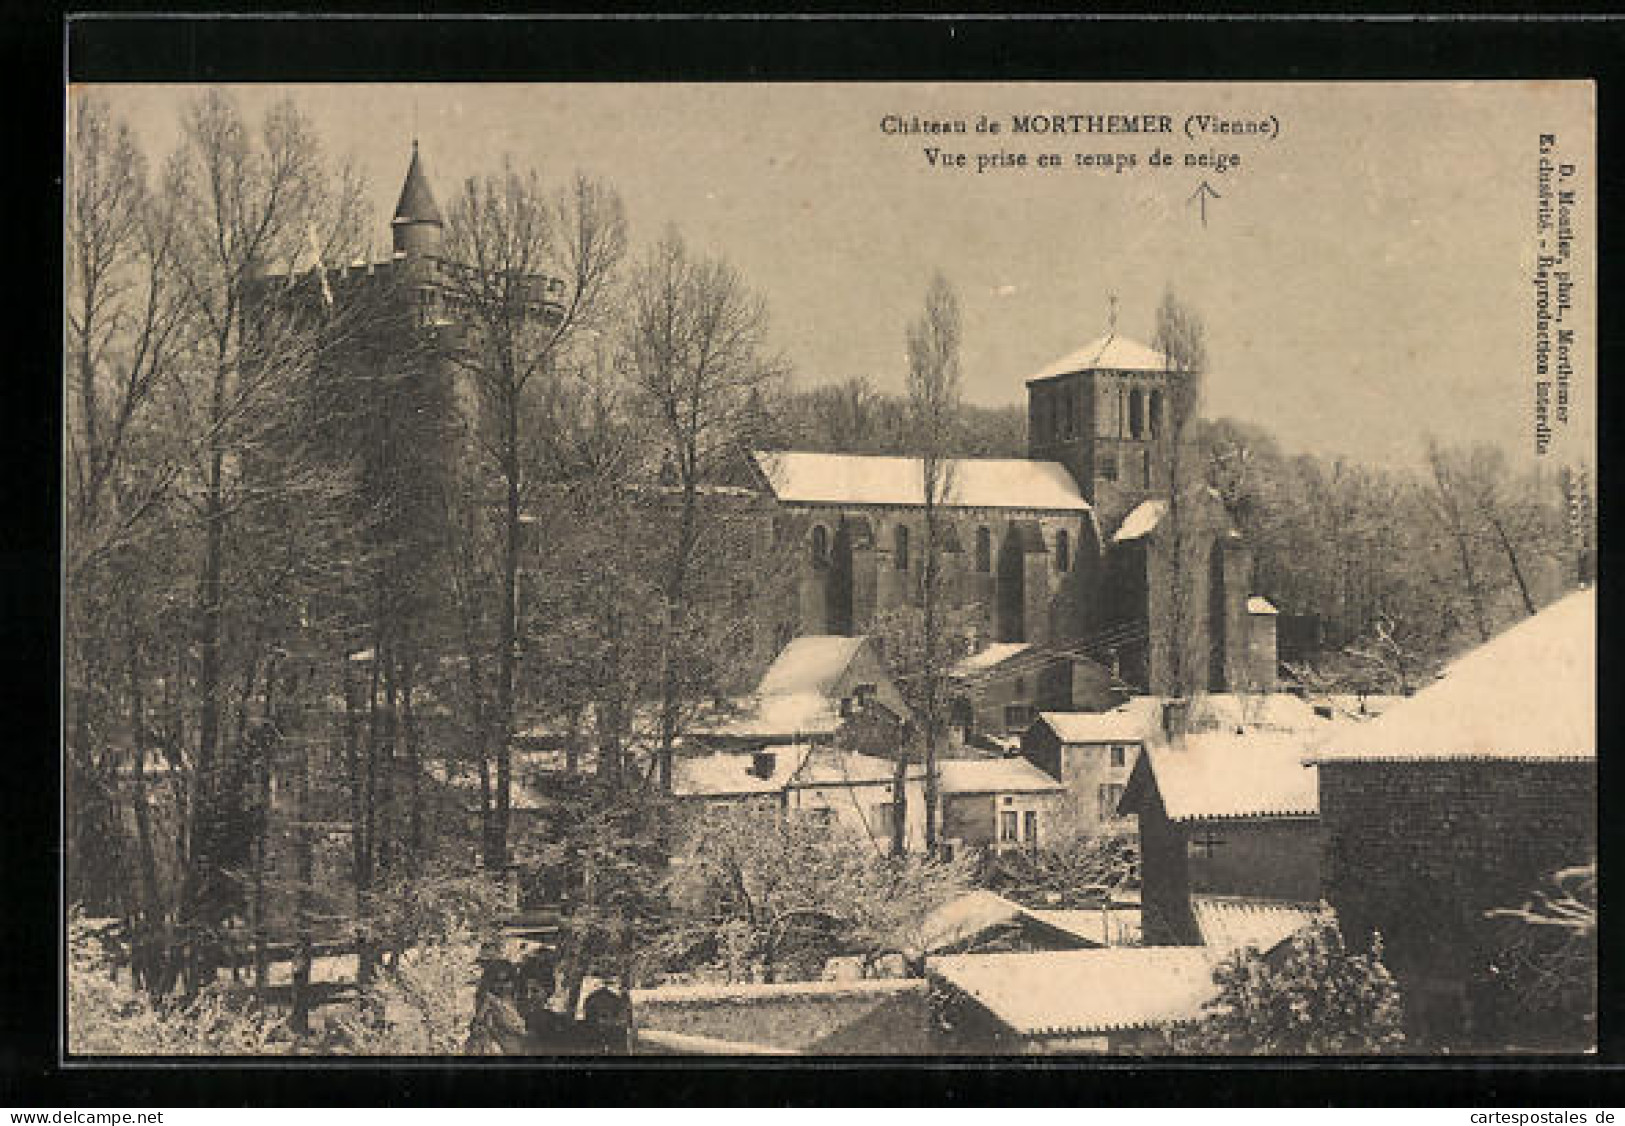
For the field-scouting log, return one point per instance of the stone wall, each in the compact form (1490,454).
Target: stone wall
(1418,851)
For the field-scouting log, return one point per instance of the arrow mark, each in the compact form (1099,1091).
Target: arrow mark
(1200,195)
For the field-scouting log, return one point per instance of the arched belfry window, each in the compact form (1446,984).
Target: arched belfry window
(820,547)
(1136,414)
(900,549)
(984,551)
(1063,551)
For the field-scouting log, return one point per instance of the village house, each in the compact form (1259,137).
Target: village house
(1222,814)
(997,804)
(1091,754)
(1000,688)
(851,792)
(1461,799)
(817,689)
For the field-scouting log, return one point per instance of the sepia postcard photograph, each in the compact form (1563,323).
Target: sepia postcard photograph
(829,569)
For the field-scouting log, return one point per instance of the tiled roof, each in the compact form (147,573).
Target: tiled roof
(1217,775)
(799,476)
(1228,922)
(1057,993)
(1529,694)
(994,776)
(1107,353)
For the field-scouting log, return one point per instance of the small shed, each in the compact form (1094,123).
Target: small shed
(1223,815)
(1119,1000)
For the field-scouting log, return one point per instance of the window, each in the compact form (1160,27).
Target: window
(1148,469)
(1119,755)
(820,547)
(984,550)
(1029,828)
(1063,551)
(1108,465)
(821,815)
(900,548)
(885,819)
(1110,794)
(1136,414)
(1156,414)
(1205,844)
(1008,825)
(1017,717)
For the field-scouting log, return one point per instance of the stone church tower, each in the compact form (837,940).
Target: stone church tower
(1106,412)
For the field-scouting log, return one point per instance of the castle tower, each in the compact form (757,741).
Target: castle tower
(417,226)
(1105,412)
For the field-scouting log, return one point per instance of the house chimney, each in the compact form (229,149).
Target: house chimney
(762,764)
(1175,717)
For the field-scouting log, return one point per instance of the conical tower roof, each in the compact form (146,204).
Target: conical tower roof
(417,201)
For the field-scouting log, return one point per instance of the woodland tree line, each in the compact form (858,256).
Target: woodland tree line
(317,582)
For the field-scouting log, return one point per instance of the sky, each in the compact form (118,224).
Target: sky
(1364,275)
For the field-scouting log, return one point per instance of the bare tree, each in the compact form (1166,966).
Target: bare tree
(124,326)
(934,401)
(1453,510)
(247,201)
(533,274)
(695,355)
(1181,338)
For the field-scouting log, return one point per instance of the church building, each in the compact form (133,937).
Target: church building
(1076,548)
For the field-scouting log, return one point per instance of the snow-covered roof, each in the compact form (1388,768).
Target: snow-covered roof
(1120,725)
(732,773)
(1142,519)
(1258,604)
(810,665)
(1115,926)
(725,774)
(1349,705)
(1259,774)
(994,776)
(965,917)
(799,476)
(1529,694)
(1269,711)
(1231,922)
(769,717)
(995,654)
(1073,992)
(1107,353)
